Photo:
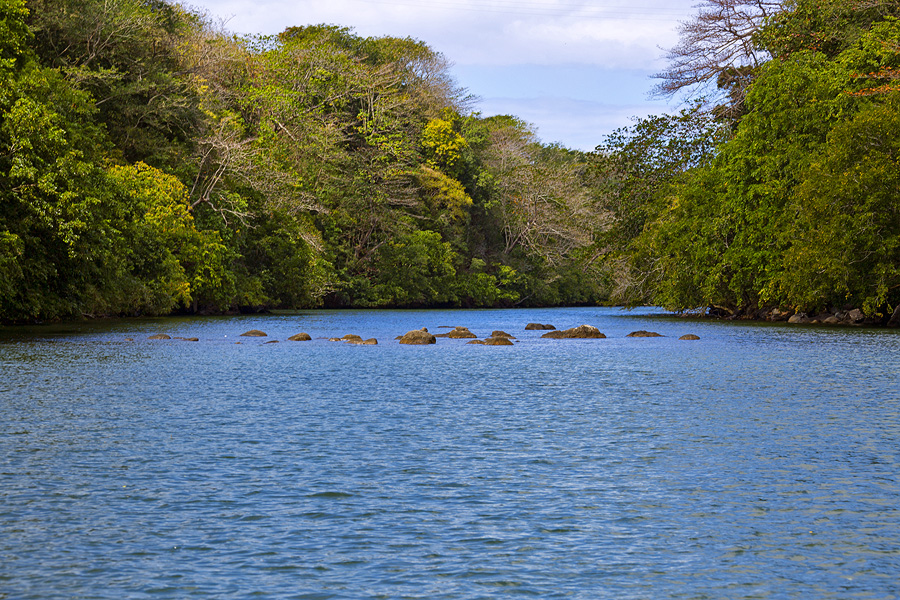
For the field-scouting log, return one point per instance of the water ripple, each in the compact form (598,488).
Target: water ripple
(759,462)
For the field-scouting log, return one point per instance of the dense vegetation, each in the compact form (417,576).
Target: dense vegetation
(787,193)
(151,163)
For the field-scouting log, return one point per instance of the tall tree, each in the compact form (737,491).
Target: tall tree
(718,52)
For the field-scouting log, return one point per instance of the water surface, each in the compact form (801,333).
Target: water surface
(758,462)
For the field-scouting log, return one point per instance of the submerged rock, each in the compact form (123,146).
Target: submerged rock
(300,337)
(418,337)
(159,336)
(493,341)
(254,333)
(362,342)
(580,332)
(187,339)
(272,342)
(689,336)
(350,337)
(538,326)
(643,334)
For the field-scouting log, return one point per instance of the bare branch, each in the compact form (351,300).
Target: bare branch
(717,48)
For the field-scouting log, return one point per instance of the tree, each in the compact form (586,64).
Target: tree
(126,54)
(718,48)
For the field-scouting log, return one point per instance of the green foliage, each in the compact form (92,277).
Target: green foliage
(178,265)
(442,144)
(847,235)
(415,270)
(14,34)
(797,208)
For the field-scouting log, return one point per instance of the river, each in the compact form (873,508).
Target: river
(760,461)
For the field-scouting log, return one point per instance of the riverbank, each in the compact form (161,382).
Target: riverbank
(848,317)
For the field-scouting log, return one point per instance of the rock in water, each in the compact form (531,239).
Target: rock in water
(300,337)
(580,332)
(689,336)
(418,337)
(461,333)
(458,333)
(538,326)
(350,337)
(643,333)
(159,336)
(502,334)
(254,333)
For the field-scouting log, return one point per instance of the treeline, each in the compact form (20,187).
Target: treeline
(782,189)
(151,162)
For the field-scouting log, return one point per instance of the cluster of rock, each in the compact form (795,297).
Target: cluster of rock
(497,338)
(840,317)
(834,316)
(423,337)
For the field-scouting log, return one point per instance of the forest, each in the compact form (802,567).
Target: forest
(153,163)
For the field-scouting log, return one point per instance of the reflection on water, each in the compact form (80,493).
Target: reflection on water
(757,462)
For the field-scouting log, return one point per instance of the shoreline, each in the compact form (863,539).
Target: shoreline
(852,317)
(832,318)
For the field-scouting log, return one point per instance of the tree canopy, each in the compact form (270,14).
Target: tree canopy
(151,162)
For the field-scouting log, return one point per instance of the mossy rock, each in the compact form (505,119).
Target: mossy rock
(418,337)
(159,336)
(461,333)
(350,337)
(458,333)
(502,334)
(643,334)
(300,337)
(254,333)
(582,332)
(539,327)
(689,336)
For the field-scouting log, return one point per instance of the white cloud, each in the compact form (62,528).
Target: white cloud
(558,64)
(576,124)
(498,32)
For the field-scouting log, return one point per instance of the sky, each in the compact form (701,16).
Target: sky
(575,69)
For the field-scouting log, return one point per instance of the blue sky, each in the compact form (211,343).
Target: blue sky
(575,69)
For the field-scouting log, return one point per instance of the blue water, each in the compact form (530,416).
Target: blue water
(758,462)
